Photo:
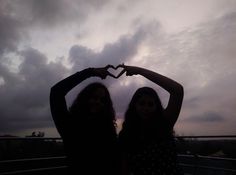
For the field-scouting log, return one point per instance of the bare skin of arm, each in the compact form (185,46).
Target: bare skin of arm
(175,89)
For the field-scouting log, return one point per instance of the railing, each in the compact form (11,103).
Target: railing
(191,162)
(195,164)
(48,165)
(31,155)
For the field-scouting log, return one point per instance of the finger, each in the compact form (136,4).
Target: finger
(109,66)
(121,65)
(121,73)
(111,75)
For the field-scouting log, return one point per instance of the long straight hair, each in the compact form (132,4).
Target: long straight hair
(158,127)
(131,115)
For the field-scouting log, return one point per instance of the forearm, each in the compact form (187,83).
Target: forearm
(166,83)
(175,89)
(65,85)
(57,97)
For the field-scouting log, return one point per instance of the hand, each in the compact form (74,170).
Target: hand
(130,70)
(103,71)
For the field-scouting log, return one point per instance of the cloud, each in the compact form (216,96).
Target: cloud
(201,57)
(206,117)
(124,50)
(115,53)
(207,74)
(20,20)
(25,104)
(52,13)
(127,47)
(24,95)
(10,31)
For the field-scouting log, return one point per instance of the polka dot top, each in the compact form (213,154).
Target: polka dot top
(154,159)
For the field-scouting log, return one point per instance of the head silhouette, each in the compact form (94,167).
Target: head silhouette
(145,107)
(145,104)
(93,101)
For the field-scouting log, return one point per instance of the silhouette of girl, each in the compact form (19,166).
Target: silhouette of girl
(88,127)
(146,137)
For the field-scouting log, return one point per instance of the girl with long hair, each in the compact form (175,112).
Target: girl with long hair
(87,128)
(146,137)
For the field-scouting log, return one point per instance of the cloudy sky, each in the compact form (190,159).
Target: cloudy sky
(193,42)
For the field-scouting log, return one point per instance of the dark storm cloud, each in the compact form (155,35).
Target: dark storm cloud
(28,92)
(202,59)
(18,17)
(24,95)
(52,13)
(114,53)
(121,51)
(10,30)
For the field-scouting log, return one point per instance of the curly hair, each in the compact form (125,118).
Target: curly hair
(80,108)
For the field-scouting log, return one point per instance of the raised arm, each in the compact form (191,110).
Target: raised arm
(175,89)
(58,92)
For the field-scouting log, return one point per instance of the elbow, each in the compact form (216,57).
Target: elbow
(181,90)
(56,92)
(53,91)
(52,95)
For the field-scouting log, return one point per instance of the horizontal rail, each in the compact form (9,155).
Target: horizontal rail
(197,163)
(206,157)
(30,138)
(39,165)
(63,167)
(59,138)
(192,165)
(207,167)
(33,170)
(32,159)
(63,157)
(210,136)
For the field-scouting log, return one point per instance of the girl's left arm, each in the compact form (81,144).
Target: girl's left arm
(175,89)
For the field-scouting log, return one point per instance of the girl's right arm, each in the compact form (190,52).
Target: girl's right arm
(57,97)
(58,92)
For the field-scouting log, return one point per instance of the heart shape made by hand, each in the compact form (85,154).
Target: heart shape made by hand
(116,71)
